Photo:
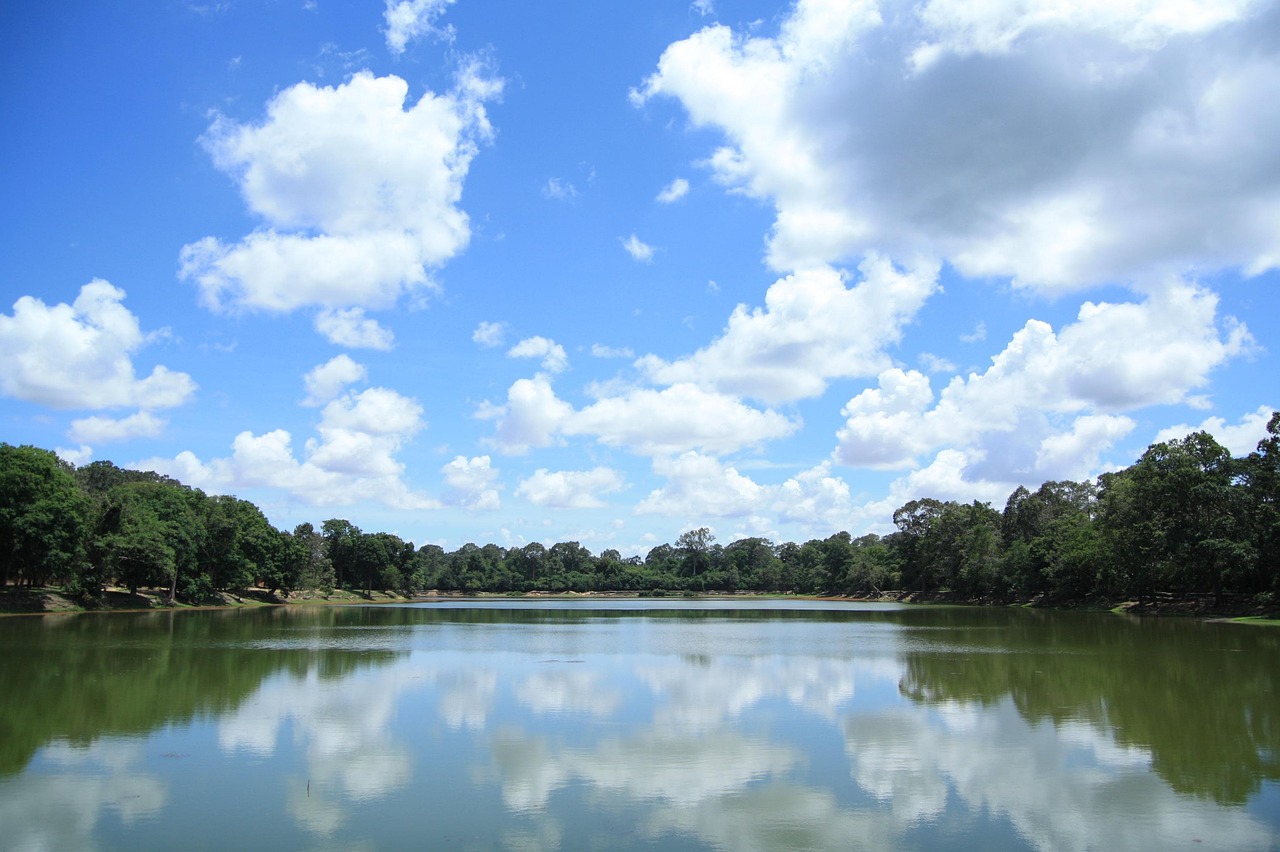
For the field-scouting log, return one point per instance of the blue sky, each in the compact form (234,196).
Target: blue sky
(494,272)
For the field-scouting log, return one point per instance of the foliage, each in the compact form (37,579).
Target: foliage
(1186,518)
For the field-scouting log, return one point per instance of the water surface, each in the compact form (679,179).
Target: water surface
(607,724)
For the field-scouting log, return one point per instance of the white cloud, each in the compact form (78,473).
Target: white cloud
(553,356)
(102,430)
(570,489)
(704,7)
(673,191)
(359,194)
(964,29)
(353,457)
(351,328)
(408,20)
(80,355)
(698,486)
(951,475)
(675,419)
(531,418)
(813,328)
(637,249)
(935,363)
(560,190)
(599,350)
(489,334)
(642,420)
(1241,438)
(1062,145)
(77,456)
(1115,357)
(1075,454)
(327,380)
(471,482)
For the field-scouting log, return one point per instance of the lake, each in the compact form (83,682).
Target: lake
(608,724)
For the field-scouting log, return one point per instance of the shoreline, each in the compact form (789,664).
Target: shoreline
(19,601)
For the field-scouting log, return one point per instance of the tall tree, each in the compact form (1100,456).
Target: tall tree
(43,517)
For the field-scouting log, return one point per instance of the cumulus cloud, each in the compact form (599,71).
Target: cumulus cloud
(472,483)
(531,417)
(81,355)
(553,356)
(489,334)
(327,380)
(408,20)
(638,250)
(352,458)
(352,329)
(697,483)
(1115,357)
(699,486)
(1061,145)
(358,194)
(102,430)
(646,421)
(812,328)
(676,419)
(570,489)
(673,191)
(1241,438)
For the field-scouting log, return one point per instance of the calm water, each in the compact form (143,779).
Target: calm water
(615,725)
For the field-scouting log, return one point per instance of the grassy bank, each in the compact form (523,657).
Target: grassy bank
(48,600)
(35,601)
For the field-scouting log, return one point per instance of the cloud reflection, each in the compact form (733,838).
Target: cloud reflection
(60,810)
(1061,788)
(343,726)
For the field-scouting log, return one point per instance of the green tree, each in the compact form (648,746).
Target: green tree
(340,538)
(43,517)
(150,534)
(1260,473)
(308,560)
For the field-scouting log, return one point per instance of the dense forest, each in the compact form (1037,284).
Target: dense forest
(1186,518)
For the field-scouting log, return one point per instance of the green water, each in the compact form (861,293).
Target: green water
(625,724)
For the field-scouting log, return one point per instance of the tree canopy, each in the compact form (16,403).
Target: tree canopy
(1186,517)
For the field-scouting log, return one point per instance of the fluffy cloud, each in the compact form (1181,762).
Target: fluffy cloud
(471,482)
(673,191)
(554,359)
(570,489)
(80,355)
(353,457)
(489,334)
(675,419)
(1241,439)
(359,194)
(642,420)
(813,328)
(698,487)
(101,430)
(352,329)
(1115,357)
(327,380)
(531,418)
(638,250)
(1060,144)
(413,19)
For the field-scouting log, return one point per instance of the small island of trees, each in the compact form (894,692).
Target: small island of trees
(1186,519)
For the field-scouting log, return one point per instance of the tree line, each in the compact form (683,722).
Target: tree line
(1187,517)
